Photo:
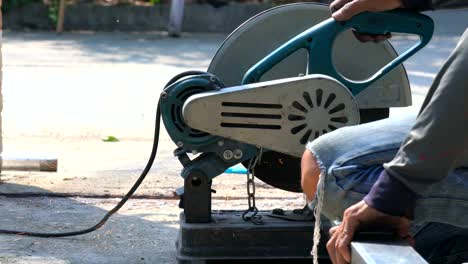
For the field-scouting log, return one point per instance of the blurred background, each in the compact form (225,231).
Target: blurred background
(81,80)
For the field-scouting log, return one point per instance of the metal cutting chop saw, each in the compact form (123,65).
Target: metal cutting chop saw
(283,78)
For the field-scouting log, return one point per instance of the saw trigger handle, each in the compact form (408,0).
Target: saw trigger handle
(395,21)
(318,41)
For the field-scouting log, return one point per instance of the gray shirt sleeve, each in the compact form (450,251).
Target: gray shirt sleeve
(447,4)
(422,5)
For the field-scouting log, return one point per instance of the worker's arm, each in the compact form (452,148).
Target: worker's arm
(443,4)
(422,5)
(436,144)
(345,9)
(396,190)
(430,150)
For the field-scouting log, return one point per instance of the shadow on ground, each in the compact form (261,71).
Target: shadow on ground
(141,233)
(144,231)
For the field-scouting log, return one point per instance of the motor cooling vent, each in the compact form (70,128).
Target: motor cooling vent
(318,112)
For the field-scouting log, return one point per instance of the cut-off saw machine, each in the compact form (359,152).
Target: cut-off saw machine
(283,78)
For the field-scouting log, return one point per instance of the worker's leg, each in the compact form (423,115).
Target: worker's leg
(350,161)
(310,172)
(438,141)
(341,153)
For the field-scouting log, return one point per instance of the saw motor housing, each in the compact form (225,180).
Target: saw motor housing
(229,125)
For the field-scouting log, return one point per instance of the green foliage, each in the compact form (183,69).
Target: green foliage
(9,5)
(110,139)
(155,1)
(53,11)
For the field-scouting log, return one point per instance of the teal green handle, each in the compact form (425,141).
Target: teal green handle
(318,40)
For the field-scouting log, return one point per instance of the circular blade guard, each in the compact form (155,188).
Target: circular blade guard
(263,33)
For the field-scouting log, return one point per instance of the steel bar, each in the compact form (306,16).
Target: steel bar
(28,163)
(384,252)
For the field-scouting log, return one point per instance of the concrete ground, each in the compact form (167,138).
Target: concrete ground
(63,94)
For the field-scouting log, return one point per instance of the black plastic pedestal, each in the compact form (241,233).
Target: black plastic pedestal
(228,237)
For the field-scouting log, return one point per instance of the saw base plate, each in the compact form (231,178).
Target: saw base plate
(228,237)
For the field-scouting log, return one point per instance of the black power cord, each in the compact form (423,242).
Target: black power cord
(132,190)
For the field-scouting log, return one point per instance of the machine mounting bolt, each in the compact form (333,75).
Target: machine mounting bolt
(163,95)
(180,144)
(220,143)
(238,154)
(212,79)
(228,155)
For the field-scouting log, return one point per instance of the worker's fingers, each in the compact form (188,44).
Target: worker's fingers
(344,10)
(410,240)
(337,4)
(331,246)
(403,230)
(349,10)
(338,257)
(380,38)
(363,37)
(349,227)
(333,230)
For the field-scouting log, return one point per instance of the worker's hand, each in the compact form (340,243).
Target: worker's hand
(343,10)
(358,216)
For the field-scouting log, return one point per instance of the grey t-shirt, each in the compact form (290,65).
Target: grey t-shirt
(422,5)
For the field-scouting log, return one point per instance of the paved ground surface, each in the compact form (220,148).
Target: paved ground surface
(62,94)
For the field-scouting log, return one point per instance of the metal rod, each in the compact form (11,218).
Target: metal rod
(28,163)
(384,252)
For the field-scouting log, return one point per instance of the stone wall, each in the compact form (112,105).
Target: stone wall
(32,16)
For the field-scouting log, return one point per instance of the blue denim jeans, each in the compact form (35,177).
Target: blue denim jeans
(352,159)
(442,244)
